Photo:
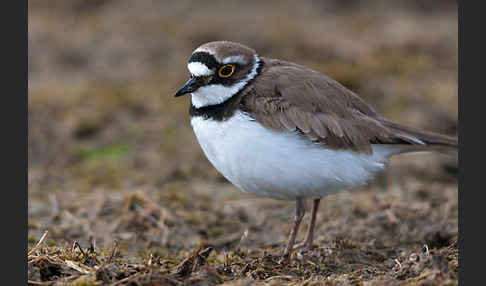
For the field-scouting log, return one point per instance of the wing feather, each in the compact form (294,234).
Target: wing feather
(290,97)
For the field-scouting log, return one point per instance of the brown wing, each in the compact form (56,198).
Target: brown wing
(290,97)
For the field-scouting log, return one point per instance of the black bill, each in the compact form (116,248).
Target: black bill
(191,85)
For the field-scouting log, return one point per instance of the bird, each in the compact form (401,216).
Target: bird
(280,130)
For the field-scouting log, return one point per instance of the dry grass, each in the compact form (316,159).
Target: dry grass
(387,238)
(118,180)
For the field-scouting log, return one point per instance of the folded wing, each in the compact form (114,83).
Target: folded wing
(291,97)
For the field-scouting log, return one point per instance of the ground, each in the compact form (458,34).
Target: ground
(120,192)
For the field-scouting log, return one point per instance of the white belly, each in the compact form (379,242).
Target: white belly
(282,165)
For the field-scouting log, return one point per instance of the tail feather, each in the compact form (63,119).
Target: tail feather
(424,140)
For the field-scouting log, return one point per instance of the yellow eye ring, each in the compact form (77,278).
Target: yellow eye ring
(226,71)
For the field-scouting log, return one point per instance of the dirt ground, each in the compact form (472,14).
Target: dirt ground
(120,184)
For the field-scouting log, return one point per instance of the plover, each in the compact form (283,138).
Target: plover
(281,130)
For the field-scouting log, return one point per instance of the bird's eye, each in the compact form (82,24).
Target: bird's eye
(226,71)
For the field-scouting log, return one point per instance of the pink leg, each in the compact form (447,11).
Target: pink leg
(307,243)
(299,214)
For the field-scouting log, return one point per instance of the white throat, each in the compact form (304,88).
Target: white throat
(217,93)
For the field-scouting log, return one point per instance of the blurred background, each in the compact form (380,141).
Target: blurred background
(112,155)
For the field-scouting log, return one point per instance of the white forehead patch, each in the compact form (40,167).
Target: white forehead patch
(199,69)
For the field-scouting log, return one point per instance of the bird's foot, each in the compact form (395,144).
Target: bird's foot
(303,246)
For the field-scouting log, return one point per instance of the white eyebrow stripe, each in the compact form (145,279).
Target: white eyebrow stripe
(235,59)
(199,69)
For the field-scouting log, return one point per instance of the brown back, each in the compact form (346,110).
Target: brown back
(290,97)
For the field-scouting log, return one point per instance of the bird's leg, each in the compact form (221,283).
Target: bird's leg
(307,243)
(299,214)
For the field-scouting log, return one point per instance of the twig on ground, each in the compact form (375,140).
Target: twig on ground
(115,246)
(73,265)
(76,244)
(41,240)
(128,278)
(30,282)
(243,237)
(92,244)
(283,277)
(398,263)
